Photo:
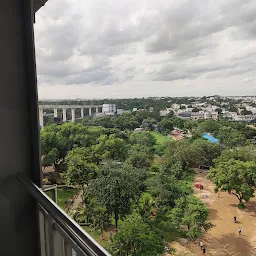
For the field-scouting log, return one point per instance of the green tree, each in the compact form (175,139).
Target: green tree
(80,167)
(210,126)
(193,213)
(218,110)
(101,218)
(146,206)
(236,177)
(136,238)
(185,153)
(111,147)
(232,108)
(140,156)
(116,187)
(246,112)
(165,126)
(127,121)
(231,137)
(196,109)
(143,138)
(211,150)
(54,146)
(167,189)
(191,125)
(147,124)
(246,153)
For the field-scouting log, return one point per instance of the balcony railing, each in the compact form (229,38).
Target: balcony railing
(60,235)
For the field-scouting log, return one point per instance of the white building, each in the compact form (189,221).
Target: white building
(108,109)
(204,115)
(165,112)
(252,109)
(197,115)
(175,106)
(244,118)
(211,115)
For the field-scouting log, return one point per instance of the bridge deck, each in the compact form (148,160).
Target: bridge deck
(68,106)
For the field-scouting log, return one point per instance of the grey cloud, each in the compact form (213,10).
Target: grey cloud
(186,29)
(174,72)
(240,15)
(194,23)
(110,42)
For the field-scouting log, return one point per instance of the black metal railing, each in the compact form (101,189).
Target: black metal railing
(60,235)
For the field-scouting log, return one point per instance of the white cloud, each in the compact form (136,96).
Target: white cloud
(136,48)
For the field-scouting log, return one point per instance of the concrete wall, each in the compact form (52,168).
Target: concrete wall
(19,145)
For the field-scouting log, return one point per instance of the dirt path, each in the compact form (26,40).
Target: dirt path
(223,238)
(78,199)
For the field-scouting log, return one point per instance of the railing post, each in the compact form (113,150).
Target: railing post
(67,249)
(49,235)
(58,243)
(42,234)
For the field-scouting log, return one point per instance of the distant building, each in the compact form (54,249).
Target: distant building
(252,109)
(134,109)
(211,115)
(244,118)
(175,106)
(109,109)
(165,112)
(119,111)
(185,115)
(201,115)
(197,115)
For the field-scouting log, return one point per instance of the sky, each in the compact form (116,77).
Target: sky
(145,48)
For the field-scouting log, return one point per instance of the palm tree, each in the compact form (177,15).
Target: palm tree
(146,206)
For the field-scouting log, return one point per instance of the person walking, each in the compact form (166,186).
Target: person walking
(201,245)
(110,236)
(235,219)
(239,231)
(204,250)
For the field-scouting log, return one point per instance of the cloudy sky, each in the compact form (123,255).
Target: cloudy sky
(141,48)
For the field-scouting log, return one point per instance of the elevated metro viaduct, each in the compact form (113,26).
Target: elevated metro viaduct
(64,111)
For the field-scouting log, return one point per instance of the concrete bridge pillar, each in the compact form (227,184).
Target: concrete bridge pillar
(64,111)
(82,113)
(97,110)
(55,112)
(90,111)
(41,118)
(73,115)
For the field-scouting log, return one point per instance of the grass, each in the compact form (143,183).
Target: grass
(63,195)
(160,138)
(96,235)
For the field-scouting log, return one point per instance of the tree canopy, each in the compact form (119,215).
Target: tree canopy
(81,166)
(193,213)
(116,187)
(236,177)
(136,238)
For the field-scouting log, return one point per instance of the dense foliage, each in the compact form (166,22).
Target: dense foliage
(141,183)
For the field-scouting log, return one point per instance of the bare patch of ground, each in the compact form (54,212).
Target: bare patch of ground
(176,135)
(223,239)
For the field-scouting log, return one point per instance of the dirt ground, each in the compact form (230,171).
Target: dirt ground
(223,239)
(176,135)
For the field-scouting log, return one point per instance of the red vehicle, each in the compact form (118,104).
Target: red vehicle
(200,186)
